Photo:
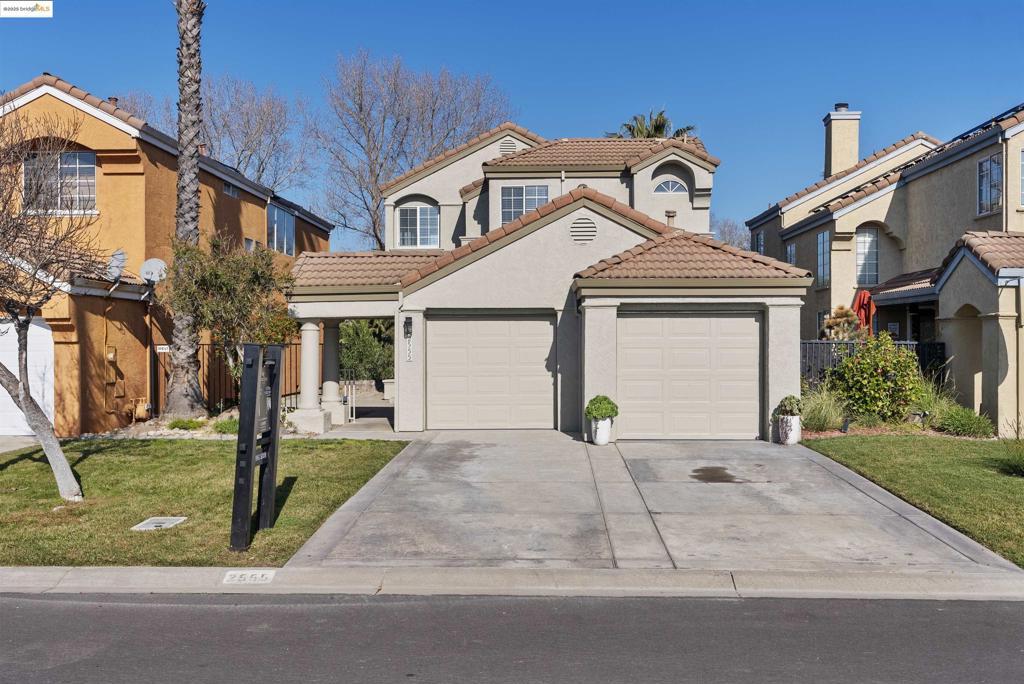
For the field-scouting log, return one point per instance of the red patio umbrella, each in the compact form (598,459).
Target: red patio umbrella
(864,307)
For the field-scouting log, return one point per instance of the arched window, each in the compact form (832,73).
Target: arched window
(61,183)
(672,186)
(867,256)
(418,226)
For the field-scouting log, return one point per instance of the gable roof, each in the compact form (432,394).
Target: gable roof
(994,249)
(462,150)
(839,175)
(619,153)
(681,254)
(467,191)
(344,269)
(157,137)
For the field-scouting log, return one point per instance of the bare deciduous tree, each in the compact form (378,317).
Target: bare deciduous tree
(45,244)
(184,394)
(384,118)
(730,232)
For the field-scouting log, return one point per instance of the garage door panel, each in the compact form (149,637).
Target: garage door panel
(503,371)
(40,372)
(699,376)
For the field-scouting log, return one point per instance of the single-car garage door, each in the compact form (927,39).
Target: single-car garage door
(490,372)
(40,373)
(689,376)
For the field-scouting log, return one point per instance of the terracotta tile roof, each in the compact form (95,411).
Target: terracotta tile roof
(467,190)
(599,152)
(681,254)
(320,269)
(995,249)
(577,195)
(455,151)
(907,283)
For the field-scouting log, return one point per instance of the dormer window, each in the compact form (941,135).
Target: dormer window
(418,227)
(65,185)
(670,186)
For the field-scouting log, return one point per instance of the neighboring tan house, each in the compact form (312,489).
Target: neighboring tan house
(526,276)
(931,230)
(94,350)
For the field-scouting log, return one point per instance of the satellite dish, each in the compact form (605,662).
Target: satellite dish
(153,270)
(116,265)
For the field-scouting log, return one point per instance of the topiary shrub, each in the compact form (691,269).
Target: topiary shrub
(879,379)
(964,422)
(822,410)
(601,407)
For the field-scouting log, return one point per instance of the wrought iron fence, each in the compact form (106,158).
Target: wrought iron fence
(818,357)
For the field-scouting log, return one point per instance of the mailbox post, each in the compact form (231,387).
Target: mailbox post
(259,427)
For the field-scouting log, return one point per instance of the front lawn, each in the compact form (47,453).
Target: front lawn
(964,483)
(126,481)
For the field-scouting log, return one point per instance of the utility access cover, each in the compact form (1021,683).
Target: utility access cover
(158,523)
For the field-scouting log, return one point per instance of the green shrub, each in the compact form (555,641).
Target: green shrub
(789,406)
(228,426)
(964,422)
(822,410)
(367,347)
(185,424)
(1013,461)
(933,402)
(879,379)
(601,407)
(868,420)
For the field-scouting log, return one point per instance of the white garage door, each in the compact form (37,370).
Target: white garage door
(40,372)
(683,376)
(490,372)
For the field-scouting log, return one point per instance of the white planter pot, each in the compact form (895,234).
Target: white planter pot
(789,430)
(601,430)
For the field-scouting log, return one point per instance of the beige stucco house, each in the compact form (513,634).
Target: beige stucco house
(930,229)
(526,276)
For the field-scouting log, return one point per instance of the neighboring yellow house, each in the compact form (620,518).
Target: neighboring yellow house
(95,356)
(932,230)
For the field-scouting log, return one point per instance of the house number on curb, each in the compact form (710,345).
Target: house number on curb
(248,577)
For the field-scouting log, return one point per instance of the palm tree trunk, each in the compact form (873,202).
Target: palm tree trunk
(184,394)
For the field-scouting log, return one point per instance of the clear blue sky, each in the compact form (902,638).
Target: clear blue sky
(754,77)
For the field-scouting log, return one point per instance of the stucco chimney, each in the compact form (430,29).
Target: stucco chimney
(670,218)
(842,138)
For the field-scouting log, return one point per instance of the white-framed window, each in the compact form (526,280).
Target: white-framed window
(230,190)
(1022,178)
(791,253)
(418,226)
(824,274)
(757,242)
(670,186)
(250,245)
(990,183)
(867,257)
(67,184)
(280,230)
(516,200)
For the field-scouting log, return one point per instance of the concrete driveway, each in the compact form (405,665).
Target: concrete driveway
(541,499)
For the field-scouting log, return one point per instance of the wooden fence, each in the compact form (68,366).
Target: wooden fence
(818,357)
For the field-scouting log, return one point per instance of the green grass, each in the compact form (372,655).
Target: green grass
(967,484)
(228,426)
(185,424)
(126,481)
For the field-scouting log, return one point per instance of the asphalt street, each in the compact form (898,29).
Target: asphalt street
(205,638)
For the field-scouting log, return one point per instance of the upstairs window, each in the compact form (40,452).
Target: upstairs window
(824,259)
(61,183)
(990,183)
(1022,178)
(516,200)
(791,253)
(670,186)
(230,190)
(867,256)
(418,227)
(280,230)
(757,242)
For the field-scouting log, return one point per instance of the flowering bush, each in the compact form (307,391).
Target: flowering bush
(879,378)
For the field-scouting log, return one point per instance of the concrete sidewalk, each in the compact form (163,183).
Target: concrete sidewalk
(981,586)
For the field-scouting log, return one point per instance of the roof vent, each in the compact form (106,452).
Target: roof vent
(507,146)
(583,230)
(842,106)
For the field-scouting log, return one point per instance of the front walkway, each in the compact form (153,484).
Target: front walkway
(541,499)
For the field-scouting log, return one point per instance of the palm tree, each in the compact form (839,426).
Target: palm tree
(184,395)
(653,125)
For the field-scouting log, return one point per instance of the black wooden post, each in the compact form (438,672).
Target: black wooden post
(270,439)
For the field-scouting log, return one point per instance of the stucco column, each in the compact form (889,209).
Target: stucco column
(330,395)
(410,372)
(999,371)
(600,355)
(309,417)
(782,359)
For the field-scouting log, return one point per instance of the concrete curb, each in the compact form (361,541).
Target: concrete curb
(424,581)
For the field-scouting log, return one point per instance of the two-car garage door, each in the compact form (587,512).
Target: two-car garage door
(490,372)
(689,376)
